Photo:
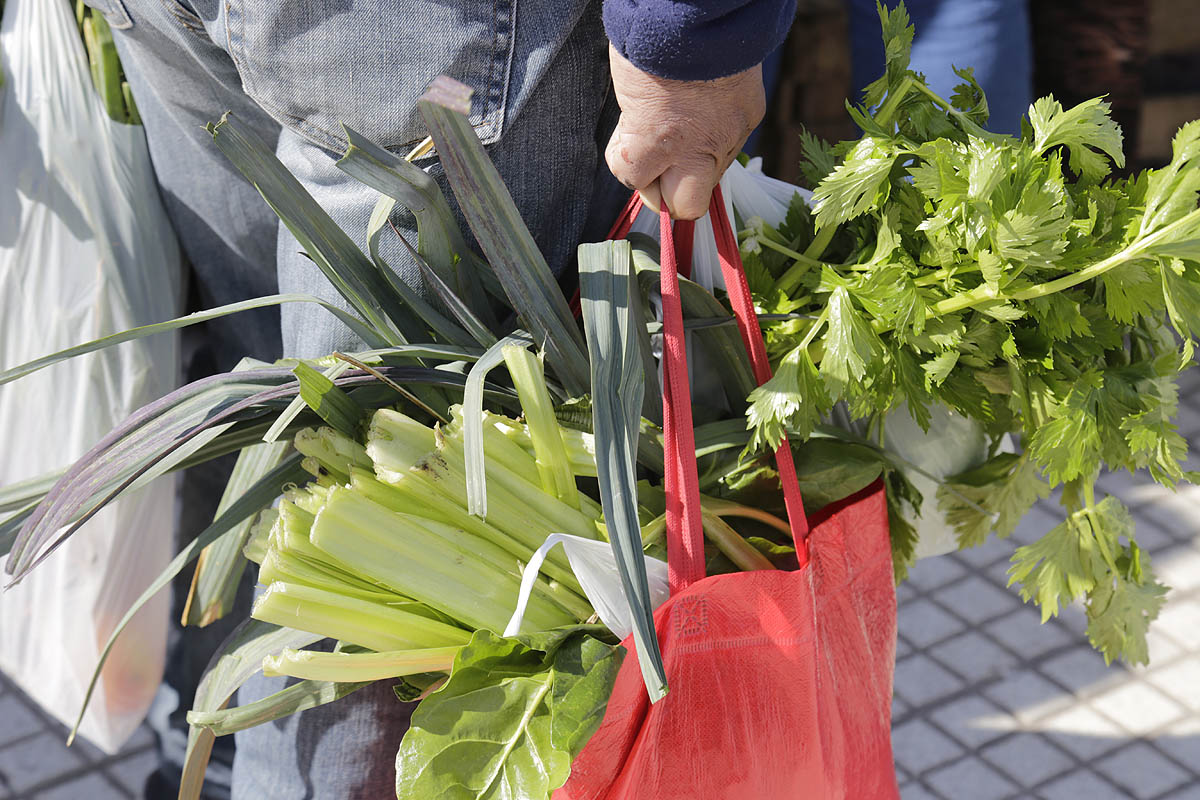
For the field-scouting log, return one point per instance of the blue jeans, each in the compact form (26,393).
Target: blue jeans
(293,75)
(990,35)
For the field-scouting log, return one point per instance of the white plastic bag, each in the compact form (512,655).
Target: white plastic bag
(85,250)
(749,193)
(596,568)
(953,444)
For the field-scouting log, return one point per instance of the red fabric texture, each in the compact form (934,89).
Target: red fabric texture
(780,682)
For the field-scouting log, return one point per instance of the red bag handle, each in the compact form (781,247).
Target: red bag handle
(685,536)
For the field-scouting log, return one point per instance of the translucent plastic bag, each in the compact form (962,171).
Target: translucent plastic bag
(595,566)
(85,250)
(953,444)
(746,193)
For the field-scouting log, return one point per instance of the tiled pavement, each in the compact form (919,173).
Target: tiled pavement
(35,763)
(989,704)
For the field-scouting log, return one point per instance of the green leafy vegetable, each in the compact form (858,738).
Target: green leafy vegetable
(1010,279)
(510,719)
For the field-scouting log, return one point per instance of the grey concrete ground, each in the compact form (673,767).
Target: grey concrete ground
(990,705)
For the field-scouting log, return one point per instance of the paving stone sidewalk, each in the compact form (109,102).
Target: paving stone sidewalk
(990,705)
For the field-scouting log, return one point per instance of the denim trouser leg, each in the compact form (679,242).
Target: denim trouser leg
(542,109)
(182,81)
(990,35)
(550,156)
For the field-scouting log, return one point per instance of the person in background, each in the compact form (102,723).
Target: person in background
(990,35)
(660,94)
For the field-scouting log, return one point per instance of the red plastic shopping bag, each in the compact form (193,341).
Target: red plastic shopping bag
(780,682)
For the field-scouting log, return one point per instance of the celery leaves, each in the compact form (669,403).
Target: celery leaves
(1012,279)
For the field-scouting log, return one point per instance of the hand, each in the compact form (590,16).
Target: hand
(675,139)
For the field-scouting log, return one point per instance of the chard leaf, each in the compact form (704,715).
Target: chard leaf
(829,470)
(510,719)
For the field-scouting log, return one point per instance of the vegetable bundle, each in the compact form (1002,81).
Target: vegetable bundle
(941,267)
(1011,280)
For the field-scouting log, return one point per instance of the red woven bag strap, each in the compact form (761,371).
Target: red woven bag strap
(743,308)
(685,536)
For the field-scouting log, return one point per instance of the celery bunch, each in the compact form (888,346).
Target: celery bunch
(379,550)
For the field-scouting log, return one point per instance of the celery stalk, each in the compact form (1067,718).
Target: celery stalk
(255,548)
(370,625)
(442,570)
(496,447)
(576,519)
(321,475)
(283,567)
(354,667)
(527,514)
(553,465)
(396,442)
(335,451)
(563,587)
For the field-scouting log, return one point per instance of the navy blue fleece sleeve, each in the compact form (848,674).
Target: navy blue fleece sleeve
(694,40)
